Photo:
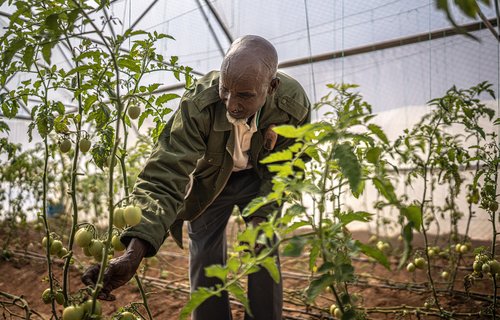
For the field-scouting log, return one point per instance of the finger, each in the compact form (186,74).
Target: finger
(90,275)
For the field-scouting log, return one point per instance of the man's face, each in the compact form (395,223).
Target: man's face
(243,91)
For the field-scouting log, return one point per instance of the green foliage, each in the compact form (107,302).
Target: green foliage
(102,79)
(349,165)
(343,157)
(374,253)
(346,151)
(414,215)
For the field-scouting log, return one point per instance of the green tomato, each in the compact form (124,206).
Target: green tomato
(55,247)
(464,248)
(332,309)
(380,245)
(95,248)
(59,297)
(410,267)
(386,247)
(477,266)
(46,296)
(118,220)
(86,251)
(87,307)
(85,145)
(445,275)
(44,241)
(117,244)
(65,145)
(62,253)
(73,313)
(83,237)
(127,316)
(493,206)
(132,215)
(485,268)
(134,112)
(494,266)
(419,262)
(337,313)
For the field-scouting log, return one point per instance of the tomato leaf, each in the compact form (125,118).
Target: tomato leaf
(270,264)
(216,271)
(378,132)
(318,285)
(355,216)
(413,214)
(15,45)
(165,98)
(239,293)
(197,298)
(29,52)
(374,253)
(294,247)
(47,51)
(52,22)
(349,165)
(407,249)
(373,154)
(284,155)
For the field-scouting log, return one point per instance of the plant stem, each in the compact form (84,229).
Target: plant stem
(494,240)
(143,295)
(74,169)
(46,223)
(44,200)
(119,110)
(422,208)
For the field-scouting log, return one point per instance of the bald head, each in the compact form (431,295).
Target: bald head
(248,76)
(251,52)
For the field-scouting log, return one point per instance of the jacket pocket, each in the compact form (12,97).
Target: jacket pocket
(208,165)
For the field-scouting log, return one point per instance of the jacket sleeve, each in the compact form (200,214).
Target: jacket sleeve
(163,182)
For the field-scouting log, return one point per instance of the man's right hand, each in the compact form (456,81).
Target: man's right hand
(119,271)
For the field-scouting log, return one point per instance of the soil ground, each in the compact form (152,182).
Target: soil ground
(385,294)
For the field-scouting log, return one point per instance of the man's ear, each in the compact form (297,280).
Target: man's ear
(273,86)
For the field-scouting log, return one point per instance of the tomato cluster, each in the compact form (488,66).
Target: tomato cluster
(56,246)
(483,265)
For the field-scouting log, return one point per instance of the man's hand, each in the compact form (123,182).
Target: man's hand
(119,270)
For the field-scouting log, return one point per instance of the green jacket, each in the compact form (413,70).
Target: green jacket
(192,161)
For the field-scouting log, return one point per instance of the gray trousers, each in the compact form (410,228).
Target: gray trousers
(208,246)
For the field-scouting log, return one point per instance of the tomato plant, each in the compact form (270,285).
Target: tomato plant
(105,81)
(345,161)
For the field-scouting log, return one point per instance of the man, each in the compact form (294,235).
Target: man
(206,161)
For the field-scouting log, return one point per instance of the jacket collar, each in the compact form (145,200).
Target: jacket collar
(221,121)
